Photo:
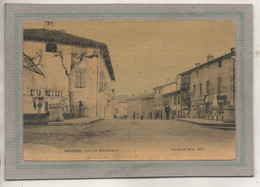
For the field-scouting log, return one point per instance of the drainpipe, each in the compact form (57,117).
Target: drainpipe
(97,92)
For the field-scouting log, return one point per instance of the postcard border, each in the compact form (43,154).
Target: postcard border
(242,160)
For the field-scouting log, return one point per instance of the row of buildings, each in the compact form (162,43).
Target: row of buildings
(206,91)
(65,76)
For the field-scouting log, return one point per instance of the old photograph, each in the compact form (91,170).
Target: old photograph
(129,90)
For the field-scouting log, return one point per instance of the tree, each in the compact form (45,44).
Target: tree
(75,60)
(30,64)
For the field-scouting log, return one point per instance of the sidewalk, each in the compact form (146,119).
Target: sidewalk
(207,122)
(77,121)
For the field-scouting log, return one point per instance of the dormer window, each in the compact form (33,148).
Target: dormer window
(51,48)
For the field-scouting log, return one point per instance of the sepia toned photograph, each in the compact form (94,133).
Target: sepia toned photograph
(129,90)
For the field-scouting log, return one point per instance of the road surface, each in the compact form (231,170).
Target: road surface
(129,140)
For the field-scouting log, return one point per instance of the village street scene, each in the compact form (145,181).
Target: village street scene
(163,94)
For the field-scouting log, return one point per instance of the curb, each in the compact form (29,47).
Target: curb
(73,124)
(209,124)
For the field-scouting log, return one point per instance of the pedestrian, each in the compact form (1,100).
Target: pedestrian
(134,116)
(80,115)
(167,111)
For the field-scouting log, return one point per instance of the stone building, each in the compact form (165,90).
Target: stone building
(134,109)
(173,99)
(65,73)
(147,106)
(141,106)
(119,108)
(163,95)
(208,90)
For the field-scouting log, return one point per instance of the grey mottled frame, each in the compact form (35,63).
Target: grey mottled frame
(17,168)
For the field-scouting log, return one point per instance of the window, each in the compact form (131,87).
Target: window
(51,48)
(200,89)
(220,63)
(207,87)
(101,81)
(220,85)
(80,78)
(179,100)
(188,85)
(175,99)
(194,88)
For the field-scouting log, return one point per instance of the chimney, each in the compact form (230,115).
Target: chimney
(210,57)
(232,50)
(48,25)
(197,64)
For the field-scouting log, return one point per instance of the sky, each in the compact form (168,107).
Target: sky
(146,53)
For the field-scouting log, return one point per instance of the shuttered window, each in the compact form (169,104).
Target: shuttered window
(220,85)
(200,89)
(83,78)
(101,81)
(207,87)
(80,78)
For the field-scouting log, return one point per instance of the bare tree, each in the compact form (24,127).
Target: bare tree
(31,64)
(75,60)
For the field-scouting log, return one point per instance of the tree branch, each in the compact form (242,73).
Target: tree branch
(59,54)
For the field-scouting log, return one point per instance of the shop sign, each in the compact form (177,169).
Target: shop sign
(45,92)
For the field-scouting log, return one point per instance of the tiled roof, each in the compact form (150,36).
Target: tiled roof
(209,62)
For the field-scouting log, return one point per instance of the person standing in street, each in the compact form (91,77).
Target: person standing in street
(167,111)
(134,116)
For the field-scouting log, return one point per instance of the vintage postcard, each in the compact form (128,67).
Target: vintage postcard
(129,90)
(116,91)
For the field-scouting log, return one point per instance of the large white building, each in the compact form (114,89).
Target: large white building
(68,72)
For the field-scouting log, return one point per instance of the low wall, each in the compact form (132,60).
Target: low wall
(36,118)
(229,114)
(56,112)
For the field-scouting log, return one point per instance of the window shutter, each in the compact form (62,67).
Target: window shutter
(220,85)
(101,81)
(77,78)
(83,78)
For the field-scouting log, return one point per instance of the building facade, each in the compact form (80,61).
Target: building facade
(120,106)
(141,106)
(167,94)
(206,91)
(209,89)
(66,72)
(147,106)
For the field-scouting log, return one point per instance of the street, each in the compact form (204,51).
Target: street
(129,140)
